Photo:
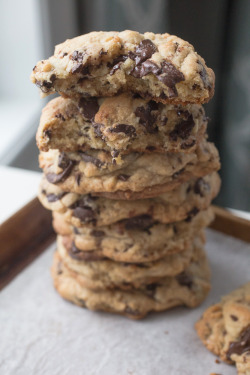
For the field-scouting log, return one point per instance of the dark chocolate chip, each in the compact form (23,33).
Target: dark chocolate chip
(85,214)
(52,78)
(176,174)
(48,133)
(234,318)
(54,197)
(242,345)
(65,54)
(101,53)
(170,76)
(59,115)
(97,129)
(123,177)
(80,68)
(124,128)
(90,159)
(188,144)
(66,164)
(87,256)
(97,233)
(88,107)
(117,62)
(143,52)
(150,148)
(201,187)
(142,222)
(184,279)
(191,214)
(183,129)
(146,118)
(151,289)
(77,56)
(204,76)
(78,178)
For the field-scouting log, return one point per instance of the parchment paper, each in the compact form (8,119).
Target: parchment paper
(43,334)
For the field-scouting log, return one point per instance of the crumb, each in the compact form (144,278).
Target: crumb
(217,361)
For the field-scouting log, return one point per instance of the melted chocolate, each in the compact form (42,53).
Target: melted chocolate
(124,128)
(88,107)
(242,345)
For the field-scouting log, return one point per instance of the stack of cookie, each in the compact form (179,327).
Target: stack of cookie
(128,172)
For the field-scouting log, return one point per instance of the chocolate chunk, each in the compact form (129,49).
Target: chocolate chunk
(59,115)
(63,160)
(87,256)
(97,233)
(146,118)
(52,78)
(80,68)
(201,187)
(146,68)
(151,289)
(143,52)
(183,129)
(170,76)
(123,177)
(66,164)
(117,62)
(204,76)
(48,133)
(142,222)
(191,214)
(85,214)
(88,107)
(242,345)
(54,197)
(234,318)
(184,279)
(101,53)
(78,178)
(90,159)
(77,56)
(188,144)
(65,54)
(124,128)
(97,129)
(150,148)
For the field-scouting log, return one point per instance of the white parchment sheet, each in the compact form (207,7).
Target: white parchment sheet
(43,334)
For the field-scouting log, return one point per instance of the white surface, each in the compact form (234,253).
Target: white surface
(42,334)
(18,187)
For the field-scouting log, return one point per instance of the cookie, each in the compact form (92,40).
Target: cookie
(224,328)
(92,211)
(136,176)
(120,124)
(160,67)
(134,240)
(189,288)
(107,274)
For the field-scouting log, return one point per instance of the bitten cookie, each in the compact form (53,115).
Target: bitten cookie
(161,67)
(107,274)
(135,176)
(92,211)
(224,329)
(134,240)
(188,288)
(120,124)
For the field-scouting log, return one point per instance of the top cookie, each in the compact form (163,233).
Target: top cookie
(160,67)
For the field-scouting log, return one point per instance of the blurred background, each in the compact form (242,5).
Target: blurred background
(218,29)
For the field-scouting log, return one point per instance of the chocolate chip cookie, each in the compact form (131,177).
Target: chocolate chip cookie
(139,239)
(92,211)
(134,176)
(120,124)
(188,288)
(107,274)
(160,67)
(224,329)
